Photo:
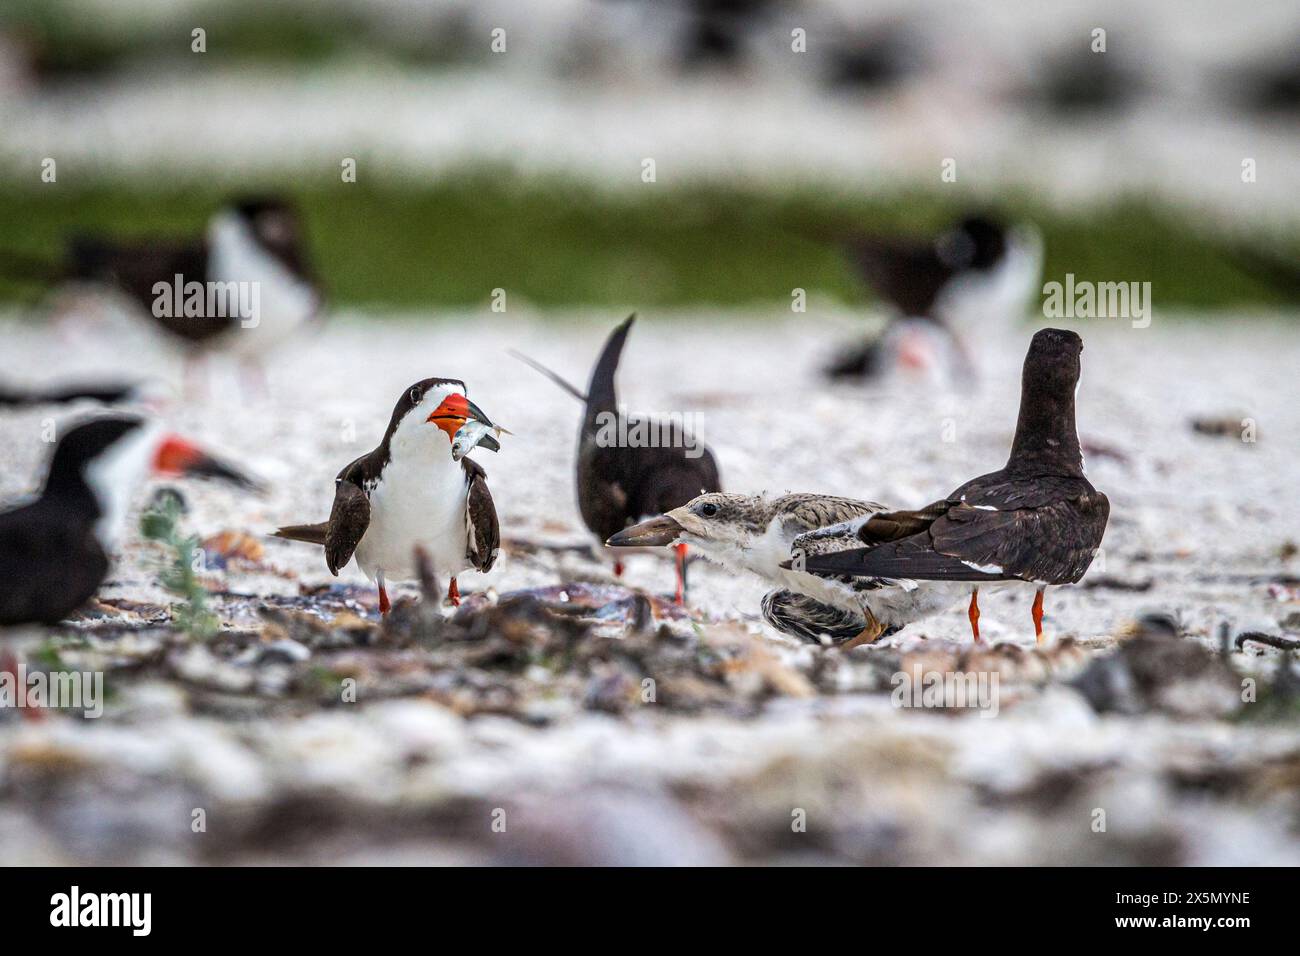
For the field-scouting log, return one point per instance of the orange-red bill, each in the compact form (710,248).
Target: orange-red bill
(454,411)
(178,456)
(175,456)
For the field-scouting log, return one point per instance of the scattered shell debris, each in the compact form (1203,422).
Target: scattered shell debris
(562,715)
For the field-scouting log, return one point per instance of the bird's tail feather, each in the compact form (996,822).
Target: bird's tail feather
(310,533)
(884,561)
(600,392)
(533,363)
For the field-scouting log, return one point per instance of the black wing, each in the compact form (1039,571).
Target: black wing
(896,525)
(137,267)
(907,274)
(602,488)
(1052,541)
(349,519)
(484,533)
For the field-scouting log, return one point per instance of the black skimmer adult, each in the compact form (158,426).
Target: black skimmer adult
(758,534)
(939,291)
(410,492)
(621,483)
(1036,520)
(244,285)
(56,549)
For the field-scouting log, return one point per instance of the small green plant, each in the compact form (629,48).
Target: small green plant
(47,656)
(191,616)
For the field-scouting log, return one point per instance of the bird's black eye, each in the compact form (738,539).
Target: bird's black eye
(708,510)
(415,396)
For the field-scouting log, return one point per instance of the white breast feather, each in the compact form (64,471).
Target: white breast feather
(419,499)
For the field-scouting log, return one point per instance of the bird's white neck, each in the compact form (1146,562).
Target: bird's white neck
(114,478)
(760,554)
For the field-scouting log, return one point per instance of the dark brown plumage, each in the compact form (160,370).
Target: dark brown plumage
(481,514)
(136,266)
(1038,519)
(619,484)
(51,562)
(349,518)
(1032,529)
(52,556)
(909,275)
(350,514)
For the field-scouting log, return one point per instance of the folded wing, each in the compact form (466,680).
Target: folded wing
(349,519)
(483,538)
(1053,542)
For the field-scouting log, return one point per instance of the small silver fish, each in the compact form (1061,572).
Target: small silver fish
(474,433)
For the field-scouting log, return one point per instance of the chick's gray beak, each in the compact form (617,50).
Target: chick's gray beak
(648,534)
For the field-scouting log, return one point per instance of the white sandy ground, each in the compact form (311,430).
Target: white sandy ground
(1189,512)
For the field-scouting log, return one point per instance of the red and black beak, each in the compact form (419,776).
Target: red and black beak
(177,456)
(454,411)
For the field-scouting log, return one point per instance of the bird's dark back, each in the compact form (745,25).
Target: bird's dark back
(620,485)
(50,563)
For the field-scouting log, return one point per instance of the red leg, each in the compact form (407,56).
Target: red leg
(618,569)
(681,572)
(1038,616)
(973,612)
(453,593)
(914,352)
(384,606)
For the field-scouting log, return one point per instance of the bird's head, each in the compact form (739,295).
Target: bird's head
(977,242)
(273,224)
(716,523)
(113,456)
(431,411)
(136,447)
(1052,365)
